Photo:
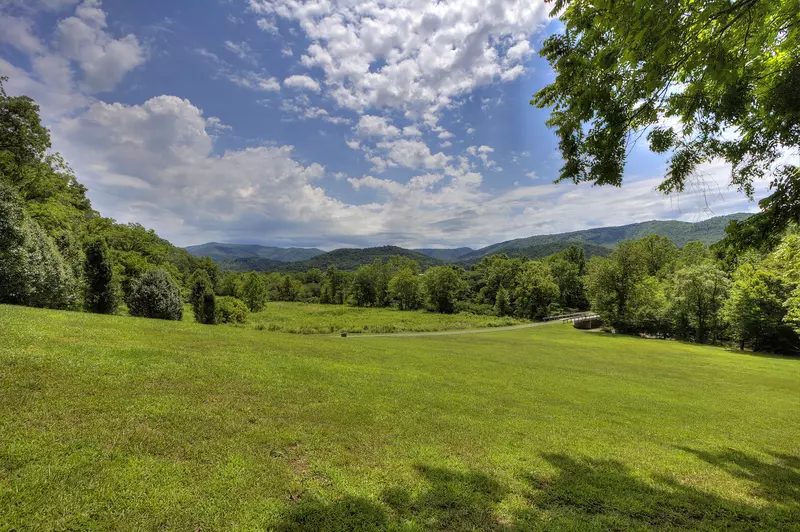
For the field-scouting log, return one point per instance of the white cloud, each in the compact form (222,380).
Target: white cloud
(154,163)
(103,59)
(302,82)
(267,24)
(18,32)
(242,50)
(411,131)
(287,52)
(413,154)
(415,55)
(532,175)
(444,135)
(470,130)
(376,126)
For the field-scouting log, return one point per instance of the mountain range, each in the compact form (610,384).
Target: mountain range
(595,242)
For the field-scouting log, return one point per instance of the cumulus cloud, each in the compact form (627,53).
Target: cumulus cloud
(104,60)
(154,163)
(376,126)
(416,55)
(81,59)
(301,81)
(413,154)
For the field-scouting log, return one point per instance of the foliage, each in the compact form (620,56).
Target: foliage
(156,295)
(102,293)
(405,288)
(710,66)
(254,292)
(535,291)
(202,298)
(230,310)
(443,285)
(32,271)
(610,284)
(502,303)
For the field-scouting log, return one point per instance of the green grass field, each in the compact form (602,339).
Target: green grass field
(111,422)
(307,318)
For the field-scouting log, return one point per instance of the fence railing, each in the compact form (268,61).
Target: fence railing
(571,316)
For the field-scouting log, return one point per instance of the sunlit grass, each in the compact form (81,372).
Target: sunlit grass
(134,424)
(309,318)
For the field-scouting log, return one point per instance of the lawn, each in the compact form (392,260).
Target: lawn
(308,318)
(112,422)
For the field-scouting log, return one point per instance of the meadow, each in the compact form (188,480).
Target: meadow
(112,422)
(310,318)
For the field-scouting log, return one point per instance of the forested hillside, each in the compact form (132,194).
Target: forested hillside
(53,246)
(225,252)
(445,254)
(708,232)
(347,259)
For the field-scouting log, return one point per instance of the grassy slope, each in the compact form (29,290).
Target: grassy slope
(326,319)
(116,422)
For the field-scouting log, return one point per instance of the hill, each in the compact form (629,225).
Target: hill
(224,252)
(446,255)
(223,428)
(708,231)
(545,250)
(343,259)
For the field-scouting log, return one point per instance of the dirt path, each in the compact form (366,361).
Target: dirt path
(450,333)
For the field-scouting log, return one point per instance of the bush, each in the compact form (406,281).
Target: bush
(102,296)
(201,296)
(230,310)
(32,271)
(156,295)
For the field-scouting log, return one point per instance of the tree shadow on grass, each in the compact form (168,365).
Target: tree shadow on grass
(450,500)
(582,494)
(777,482)
(605,494)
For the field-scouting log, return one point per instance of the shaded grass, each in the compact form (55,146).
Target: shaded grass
(125,423)
(309,318)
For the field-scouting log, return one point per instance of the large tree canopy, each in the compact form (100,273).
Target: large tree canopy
(704,79)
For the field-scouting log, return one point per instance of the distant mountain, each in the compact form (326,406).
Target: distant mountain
(227,252)
(708,231)
(343,259)
(446,255)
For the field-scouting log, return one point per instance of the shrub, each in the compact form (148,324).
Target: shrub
(156,295)
(32,271)
(102,296)
(230,310)
(201,297)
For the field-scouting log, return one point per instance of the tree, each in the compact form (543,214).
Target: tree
(364,286)
(442,287)
(657,252)
(610,283)
(102,295)
(536,290)
(650,308)
(570,283)
(697,296)
(405,289)
(755,310)
(502,303)
(687,72)
(156,295)
(32,271)
(254,292)
(202,298)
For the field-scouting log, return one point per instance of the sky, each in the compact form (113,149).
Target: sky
(326,123)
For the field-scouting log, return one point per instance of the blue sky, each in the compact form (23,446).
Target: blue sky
(322,123)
